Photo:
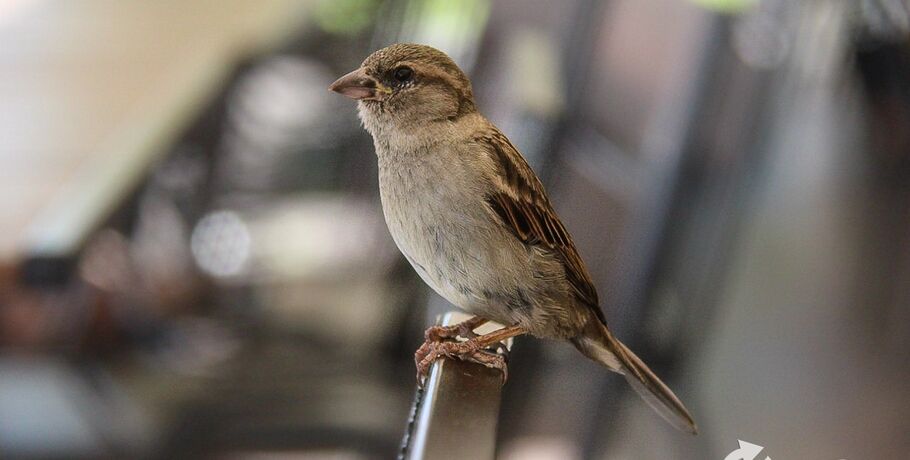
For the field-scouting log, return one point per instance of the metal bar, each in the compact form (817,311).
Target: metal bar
(456,415)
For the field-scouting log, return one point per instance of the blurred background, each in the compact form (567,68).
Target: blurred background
(194,264)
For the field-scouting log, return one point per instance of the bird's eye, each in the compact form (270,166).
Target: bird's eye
(403,74)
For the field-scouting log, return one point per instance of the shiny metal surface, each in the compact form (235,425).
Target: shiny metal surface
(456,415)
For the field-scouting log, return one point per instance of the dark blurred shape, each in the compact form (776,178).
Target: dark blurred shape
(882,54)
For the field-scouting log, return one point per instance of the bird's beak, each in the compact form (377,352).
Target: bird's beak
(359,85)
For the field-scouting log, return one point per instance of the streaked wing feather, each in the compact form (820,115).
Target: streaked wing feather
(523,205)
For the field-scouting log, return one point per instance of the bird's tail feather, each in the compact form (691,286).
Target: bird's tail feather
(603,347)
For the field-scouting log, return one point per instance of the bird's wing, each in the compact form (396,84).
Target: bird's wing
(520,200)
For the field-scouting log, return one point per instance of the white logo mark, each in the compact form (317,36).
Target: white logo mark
(746,451)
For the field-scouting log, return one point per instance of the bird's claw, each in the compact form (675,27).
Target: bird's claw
(468,350)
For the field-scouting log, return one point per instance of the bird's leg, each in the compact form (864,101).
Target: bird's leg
(435,334)
(463,329)
(473,350)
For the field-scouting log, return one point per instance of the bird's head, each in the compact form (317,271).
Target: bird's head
(407,85)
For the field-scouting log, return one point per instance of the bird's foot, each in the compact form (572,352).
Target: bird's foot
(476,349)
(440,334)
(470,350)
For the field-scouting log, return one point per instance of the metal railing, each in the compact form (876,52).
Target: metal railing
(455,415)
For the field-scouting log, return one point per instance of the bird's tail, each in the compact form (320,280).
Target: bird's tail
(600,345)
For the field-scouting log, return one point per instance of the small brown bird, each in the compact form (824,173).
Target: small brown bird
(474,221)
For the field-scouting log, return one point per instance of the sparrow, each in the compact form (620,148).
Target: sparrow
(473,219)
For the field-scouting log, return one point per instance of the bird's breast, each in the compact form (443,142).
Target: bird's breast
(437,217)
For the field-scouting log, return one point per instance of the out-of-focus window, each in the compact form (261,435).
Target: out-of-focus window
(643,49)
